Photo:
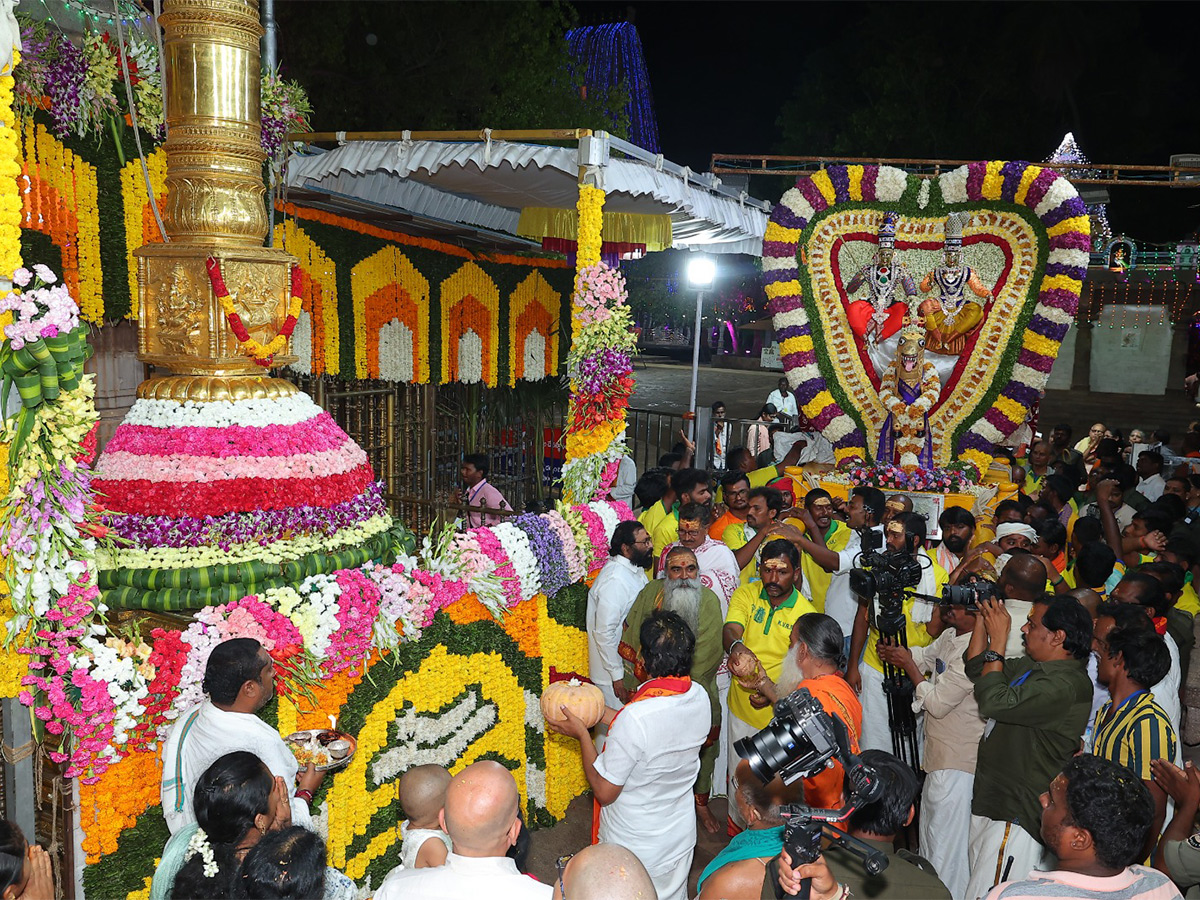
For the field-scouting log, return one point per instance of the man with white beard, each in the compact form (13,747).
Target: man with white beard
(814,661)
(681,592)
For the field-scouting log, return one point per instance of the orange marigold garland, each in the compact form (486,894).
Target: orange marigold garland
(262,354)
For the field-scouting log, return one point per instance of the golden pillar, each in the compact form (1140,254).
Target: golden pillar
(214,202)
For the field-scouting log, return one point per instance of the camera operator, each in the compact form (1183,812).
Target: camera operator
(907,876)
(1038,707)
(952,732)
(863,513)
(864,671)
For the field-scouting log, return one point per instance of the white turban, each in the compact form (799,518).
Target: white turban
(1003,531)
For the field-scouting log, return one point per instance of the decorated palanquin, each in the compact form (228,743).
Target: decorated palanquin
(988,261)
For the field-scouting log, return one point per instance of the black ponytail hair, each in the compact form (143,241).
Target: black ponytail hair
(13,847)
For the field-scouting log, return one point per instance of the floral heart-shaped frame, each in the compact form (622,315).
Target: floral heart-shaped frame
(1031,213)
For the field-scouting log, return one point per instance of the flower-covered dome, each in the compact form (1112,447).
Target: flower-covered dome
(209,500)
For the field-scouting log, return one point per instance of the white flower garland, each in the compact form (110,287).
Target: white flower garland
(290,409)
(438,740)
(954,185)
(516,544)
(607,515)
(890,184)
(302,344)
(470,358)
(396,352)
(199,844)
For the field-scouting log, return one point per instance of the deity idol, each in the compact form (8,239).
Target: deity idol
(882,314)
(909,388)
(953,314)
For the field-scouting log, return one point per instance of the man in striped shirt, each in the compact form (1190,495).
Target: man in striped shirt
(1131,729)
(1095,819)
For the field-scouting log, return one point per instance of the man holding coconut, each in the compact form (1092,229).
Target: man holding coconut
(757,637)
(643,779)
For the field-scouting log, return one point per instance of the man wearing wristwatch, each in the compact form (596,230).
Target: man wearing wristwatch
(1037,707)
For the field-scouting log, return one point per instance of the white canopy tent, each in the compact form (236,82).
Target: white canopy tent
(486,184)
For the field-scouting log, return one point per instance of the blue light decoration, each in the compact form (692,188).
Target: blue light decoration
(611,55)
(1069,152)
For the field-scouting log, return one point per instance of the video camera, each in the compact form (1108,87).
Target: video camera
(800,741)
(970,594)
(886,573)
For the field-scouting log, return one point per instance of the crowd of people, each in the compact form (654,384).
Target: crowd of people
(1018,703)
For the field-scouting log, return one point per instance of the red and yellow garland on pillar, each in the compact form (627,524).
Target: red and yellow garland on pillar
(262,354)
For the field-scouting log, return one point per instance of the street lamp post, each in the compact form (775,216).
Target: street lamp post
(701,271)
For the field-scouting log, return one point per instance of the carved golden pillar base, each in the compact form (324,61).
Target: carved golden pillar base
(211,388)
(182,327)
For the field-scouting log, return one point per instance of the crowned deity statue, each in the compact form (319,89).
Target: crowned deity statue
(882,313)
(953,314)
(908,389)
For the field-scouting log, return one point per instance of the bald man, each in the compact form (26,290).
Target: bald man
(480,816)
(604,872)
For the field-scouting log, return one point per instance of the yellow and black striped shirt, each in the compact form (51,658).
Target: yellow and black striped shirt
(1134,733)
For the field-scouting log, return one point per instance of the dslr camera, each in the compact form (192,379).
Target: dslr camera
(799,741)
(970,594)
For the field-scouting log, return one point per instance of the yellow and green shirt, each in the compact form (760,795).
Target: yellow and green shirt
(767,633)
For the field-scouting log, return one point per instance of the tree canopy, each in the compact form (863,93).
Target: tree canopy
(445,65)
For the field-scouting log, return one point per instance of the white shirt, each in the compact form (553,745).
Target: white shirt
(493,877)
(653,752)
(196,743)
(1152,487)
(609,599)
(784,403)
(1123,514)
(818,449)
(1166,692)
(840,602)
(626,481)
(1018,612)
(720,445)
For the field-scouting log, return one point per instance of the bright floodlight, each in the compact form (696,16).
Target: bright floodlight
(700,271)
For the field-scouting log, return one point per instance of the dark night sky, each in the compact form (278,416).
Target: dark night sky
(721,71)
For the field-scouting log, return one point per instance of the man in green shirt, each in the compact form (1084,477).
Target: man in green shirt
(1037,707)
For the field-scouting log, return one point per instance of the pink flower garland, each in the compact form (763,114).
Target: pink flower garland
(358,607)
(505,570)
(91,720)
(596,537)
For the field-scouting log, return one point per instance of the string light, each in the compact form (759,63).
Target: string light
(611,56)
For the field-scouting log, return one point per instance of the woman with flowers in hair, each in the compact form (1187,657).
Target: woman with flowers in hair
(237,803)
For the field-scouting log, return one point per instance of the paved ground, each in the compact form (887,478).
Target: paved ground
(575,832)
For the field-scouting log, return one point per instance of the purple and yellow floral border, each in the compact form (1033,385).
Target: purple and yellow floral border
(1019,374)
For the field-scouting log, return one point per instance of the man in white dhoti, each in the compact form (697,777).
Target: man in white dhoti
(239,681)
(643,779)
(952,732)
(609,600)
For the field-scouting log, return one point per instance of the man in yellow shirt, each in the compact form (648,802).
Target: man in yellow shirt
(757,635)
(1181,551)
(905,533)
(762,522)
(689,486)
(819,507)
(655,496)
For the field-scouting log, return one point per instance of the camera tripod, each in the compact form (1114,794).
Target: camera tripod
(897,688)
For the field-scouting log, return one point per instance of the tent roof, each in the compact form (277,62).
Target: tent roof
(485,185)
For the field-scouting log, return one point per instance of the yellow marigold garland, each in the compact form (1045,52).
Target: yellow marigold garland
(10,168)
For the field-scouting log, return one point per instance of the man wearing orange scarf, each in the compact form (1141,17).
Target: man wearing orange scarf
(643,779)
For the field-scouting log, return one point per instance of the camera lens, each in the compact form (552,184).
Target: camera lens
(768,751)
